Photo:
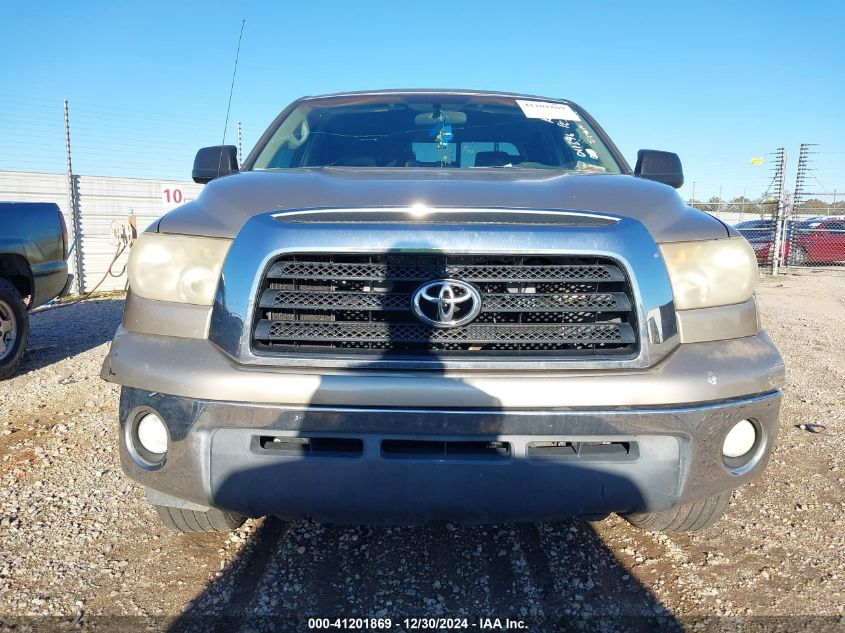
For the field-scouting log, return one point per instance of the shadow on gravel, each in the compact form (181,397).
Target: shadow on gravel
(60,332)
(550,576)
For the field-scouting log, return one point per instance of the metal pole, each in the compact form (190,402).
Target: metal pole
(240,156)
(780,219)
(73,207)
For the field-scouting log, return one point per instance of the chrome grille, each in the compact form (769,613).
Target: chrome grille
(360,304)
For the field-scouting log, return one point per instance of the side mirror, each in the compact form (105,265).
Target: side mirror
(213,162)
(659,166)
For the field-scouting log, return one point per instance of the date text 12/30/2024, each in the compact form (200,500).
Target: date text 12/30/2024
(413,624)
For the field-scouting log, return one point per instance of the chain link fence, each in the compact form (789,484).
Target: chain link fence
(756,220)
(814,232)
(806,234)
(801,228)
(809,234)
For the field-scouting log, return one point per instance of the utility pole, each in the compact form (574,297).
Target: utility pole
(73,207)
(801,174)
(798,195)
(240,156)
(693,191)
(780,214)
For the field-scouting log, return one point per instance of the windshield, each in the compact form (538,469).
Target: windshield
(457,132)
(807,225)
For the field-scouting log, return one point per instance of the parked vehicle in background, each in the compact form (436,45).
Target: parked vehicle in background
(753,229)
(816,240)
(414,306)
(763,245)
(33,271)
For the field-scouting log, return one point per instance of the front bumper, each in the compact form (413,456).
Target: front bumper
(222,454)
(693,373)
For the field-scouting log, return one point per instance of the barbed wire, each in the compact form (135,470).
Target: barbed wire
(125,141)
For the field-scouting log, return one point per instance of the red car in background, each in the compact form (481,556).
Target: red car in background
(818,240)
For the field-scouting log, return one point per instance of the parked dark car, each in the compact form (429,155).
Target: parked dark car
(755,229)
(33,271)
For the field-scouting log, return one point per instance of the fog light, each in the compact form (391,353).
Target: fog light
(152,434)
(740,439)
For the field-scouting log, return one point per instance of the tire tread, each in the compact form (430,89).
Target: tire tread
(11,295)
(193,521)
(690,517)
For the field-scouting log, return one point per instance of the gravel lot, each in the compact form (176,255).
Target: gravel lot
(78,540)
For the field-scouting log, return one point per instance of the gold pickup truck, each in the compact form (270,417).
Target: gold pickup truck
(412,306)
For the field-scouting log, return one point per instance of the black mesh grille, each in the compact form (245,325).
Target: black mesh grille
(362,304)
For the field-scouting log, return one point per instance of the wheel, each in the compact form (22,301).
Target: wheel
(14,329)
(213,520)
(691,517)
(799,256)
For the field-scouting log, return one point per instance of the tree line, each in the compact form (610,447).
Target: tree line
(766,207)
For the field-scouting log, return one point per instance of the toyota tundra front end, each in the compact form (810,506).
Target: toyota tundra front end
(410,306)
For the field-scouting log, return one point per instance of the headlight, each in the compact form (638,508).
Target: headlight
(710,273)
(179,268)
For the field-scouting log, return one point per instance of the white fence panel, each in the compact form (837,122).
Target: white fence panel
(103,203)
(20,186)
(107,202)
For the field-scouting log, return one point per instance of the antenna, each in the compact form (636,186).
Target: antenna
(231,90)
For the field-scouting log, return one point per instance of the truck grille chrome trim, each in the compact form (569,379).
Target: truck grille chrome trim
(389,335)
(571,306)
(574,302)
(318,270)
(388,239)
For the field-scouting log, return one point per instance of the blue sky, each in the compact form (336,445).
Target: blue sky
(717,82)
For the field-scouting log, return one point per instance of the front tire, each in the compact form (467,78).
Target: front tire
(691,517)
(14,329)
(192,521)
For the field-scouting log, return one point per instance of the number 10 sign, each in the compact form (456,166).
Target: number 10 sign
(172,196)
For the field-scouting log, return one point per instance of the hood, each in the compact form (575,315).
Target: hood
(227,203)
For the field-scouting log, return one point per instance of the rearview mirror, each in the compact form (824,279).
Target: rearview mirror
(660,166)
(213,162)
(426,118)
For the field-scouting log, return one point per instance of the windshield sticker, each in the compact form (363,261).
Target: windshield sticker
(586,136)
(548,111)
(575,144)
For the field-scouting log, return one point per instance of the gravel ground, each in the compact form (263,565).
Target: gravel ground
(78,541)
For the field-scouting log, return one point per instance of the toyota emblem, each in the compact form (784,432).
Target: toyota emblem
(446,303)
